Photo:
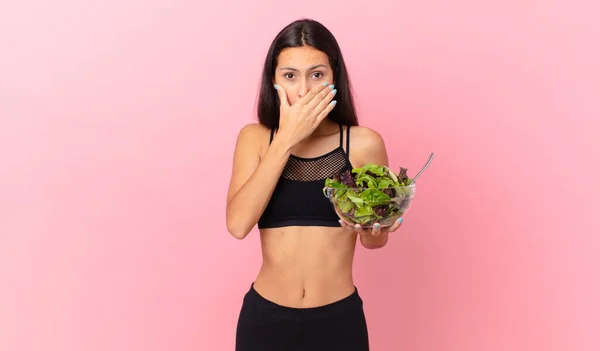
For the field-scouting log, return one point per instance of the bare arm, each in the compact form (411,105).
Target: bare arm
(253,180)
(369,147)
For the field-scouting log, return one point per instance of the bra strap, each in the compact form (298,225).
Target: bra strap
(348,140)
(341,135)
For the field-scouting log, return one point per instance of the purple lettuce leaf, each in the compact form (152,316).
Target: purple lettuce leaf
(347,179)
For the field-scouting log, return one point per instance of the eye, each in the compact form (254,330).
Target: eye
(288,75)
(318,75)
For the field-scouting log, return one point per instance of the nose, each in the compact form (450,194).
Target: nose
(303,88)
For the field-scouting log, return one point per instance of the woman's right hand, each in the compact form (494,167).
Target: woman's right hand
(298,121)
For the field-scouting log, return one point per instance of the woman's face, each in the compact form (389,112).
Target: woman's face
(299,69)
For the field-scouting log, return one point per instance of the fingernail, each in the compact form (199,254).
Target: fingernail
(334,102)
(340,221)
(276,86)
(334,91)
(399,220)
(357,226)
(377,225)
(325,84)
(331,86)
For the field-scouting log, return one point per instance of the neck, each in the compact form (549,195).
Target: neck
(327,127)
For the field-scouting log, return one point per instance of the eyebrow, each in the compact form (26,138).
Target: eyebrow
(295,69)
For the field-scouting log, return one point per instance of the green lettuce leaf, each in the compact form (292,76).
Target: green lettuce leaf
(365,194)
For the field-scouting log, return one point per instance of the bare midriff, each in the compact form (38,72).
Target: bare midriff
(306,267)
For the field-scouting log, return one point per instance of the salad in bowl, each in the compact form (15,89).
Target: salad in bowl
(370,194)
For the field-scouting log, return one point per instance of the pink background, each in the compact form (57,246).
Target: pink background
(118,122)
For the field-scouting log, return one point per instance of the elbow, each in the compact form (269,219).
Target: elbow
(236,229)
(238,234)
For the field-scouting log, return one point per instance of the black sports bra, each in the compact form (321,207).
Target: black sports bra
(298,198)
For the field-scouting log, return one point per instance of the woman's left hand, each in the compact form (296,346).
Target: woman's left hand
(377,230)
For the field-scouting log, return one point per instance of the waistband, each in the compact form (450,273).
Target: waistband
(351,302)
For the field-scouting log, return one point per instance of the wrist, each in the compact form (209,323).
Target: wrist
(283,142)
(374,242)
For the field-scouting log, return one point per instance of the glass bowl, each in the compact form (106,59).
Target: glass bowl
(367,206)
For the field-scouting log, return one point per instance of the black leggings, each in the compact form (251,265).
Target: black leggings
(266,326)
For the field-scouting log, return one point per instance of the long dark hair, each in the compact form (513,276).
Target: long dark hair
(297,34)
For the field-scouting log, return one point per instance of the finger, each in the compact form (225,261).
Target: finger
(345,225)
(327,97)
(312,93)
(359,230)
(326,111)
(376,229)
(282,95)
(396,225)
(316,102)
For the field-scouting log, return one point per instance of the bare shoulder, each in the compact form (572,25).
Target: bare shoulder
(367,146)
(254,136)
(253,130)
(365,138)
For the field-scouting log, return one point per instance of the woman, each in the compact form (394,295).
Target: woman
(304,297)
